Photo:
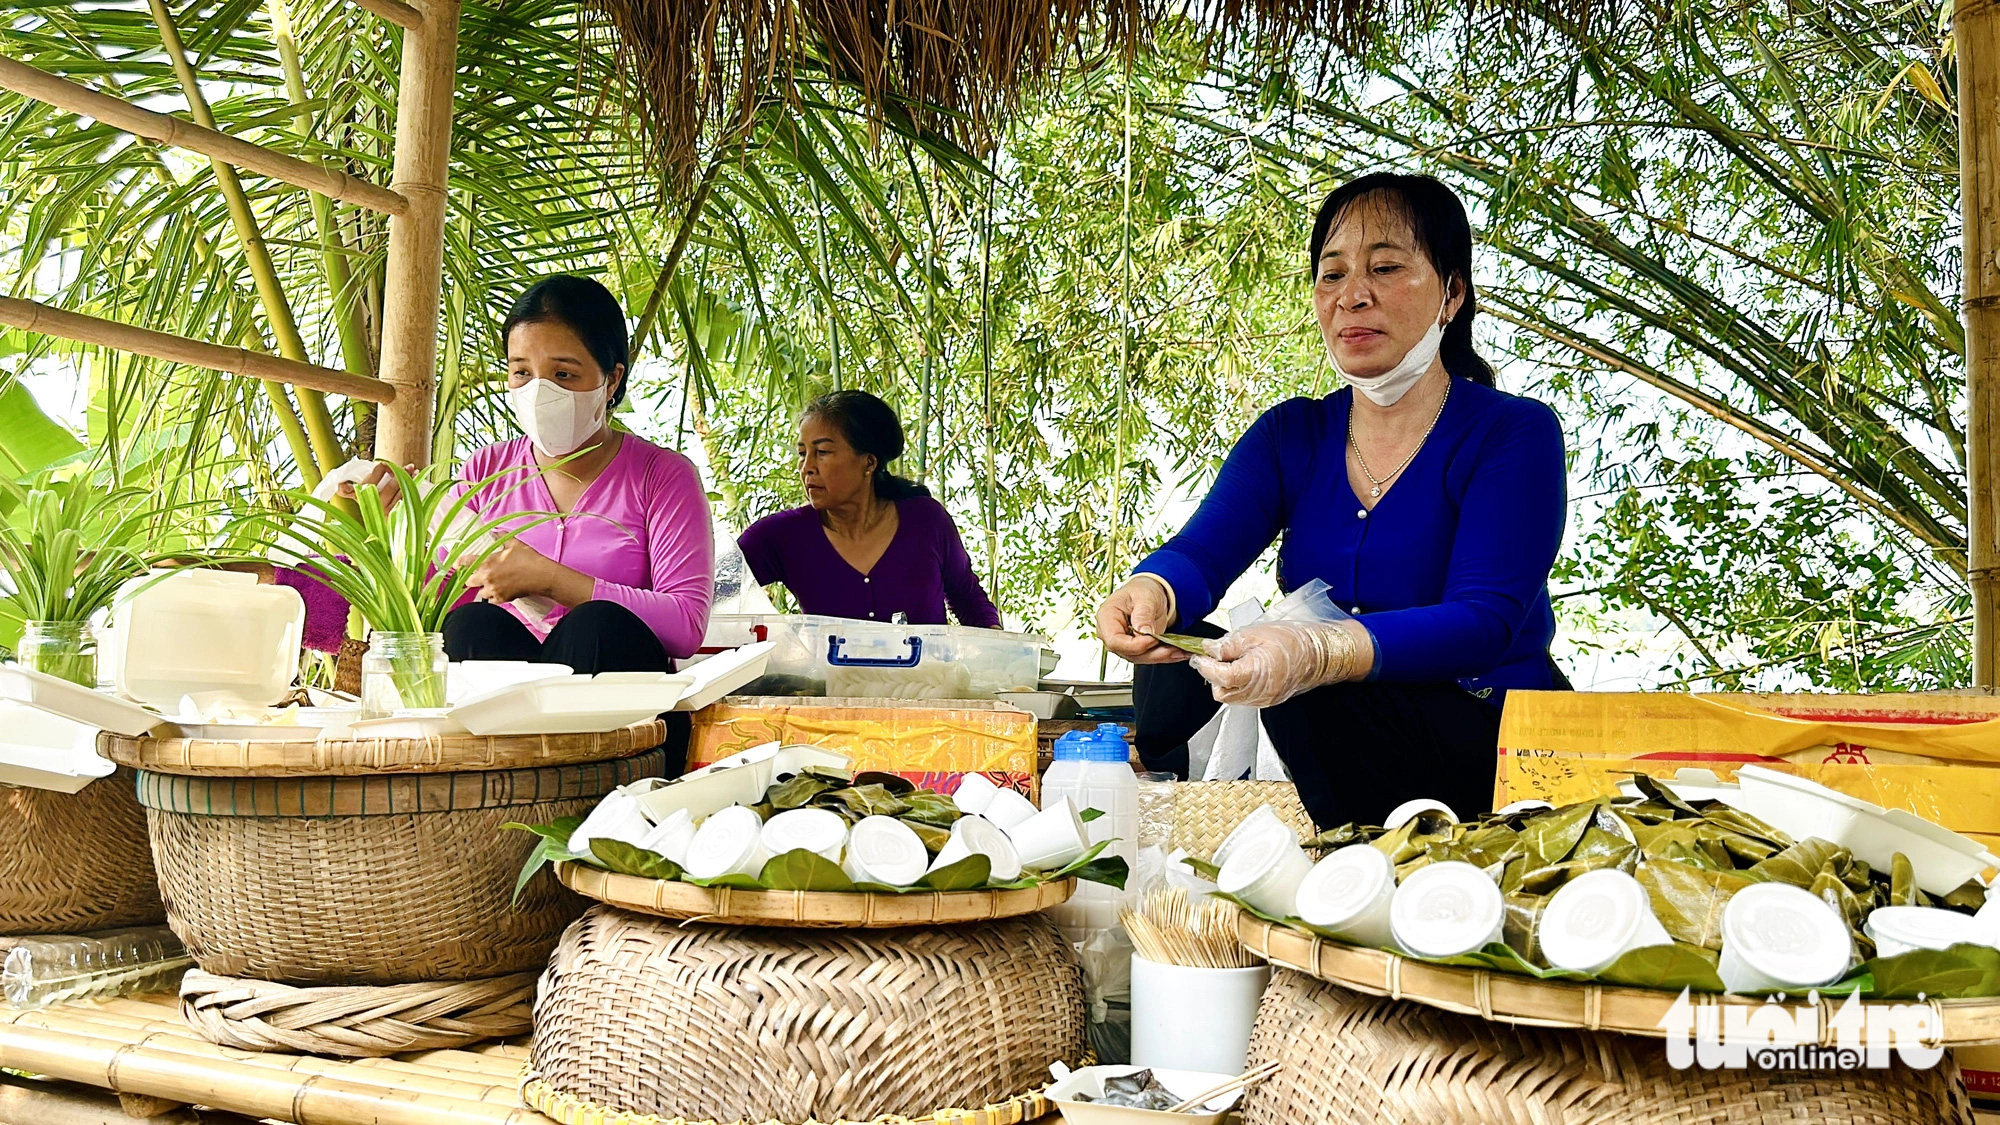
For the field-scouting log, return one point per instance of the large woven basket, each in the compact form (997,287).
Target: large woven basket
(1206,811)
(71,862)
(640,1015)
(822,909)
(227,758)
(1350,1059)
(367,880)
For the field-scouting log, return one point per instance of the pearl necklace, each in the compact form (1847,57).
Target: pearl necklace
(1376,485)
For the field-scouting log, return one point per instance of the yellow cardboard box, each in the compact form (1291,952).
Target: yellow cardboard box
(933,743)
(1936,755)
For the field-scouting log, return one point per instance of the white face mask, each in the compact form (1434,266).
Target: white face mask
(556,419)
(1390,386)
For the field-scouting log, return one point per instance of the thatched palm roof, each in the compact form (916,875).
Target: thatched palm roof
(700,64)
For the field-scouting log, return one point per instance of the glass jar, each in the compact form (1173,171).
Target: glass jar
(64,649)
(402,672)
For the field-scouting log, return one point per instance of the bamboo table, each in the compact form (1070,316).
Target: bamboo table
(139,1049)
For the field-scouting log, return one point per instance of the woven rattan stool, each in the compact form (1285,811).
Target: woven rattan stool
(72,862)
(643,1015)
(1352,1059)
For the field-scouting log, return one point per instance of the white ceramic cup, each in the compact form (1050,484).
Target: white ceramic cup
(1050,838)
(1265,871)
(820,831)
(1349,893)
(1187,1018)
(1903,929)
(975,791)
(1262,819)
(975,835)
(1446,909)
(1595,919)
(1008,808)
(1776,936)
(729,842)
(672,836)
(882,849)
(1408,810)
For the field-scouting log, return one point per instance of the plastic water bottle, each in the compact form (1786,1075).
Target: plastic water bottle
(35,972)
(1093,769)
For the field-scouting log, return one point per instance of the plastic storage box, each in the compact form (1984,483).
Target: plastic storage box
(837,656)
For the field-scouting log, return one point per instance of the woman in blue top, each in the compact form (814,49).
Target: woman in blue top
(1431,503)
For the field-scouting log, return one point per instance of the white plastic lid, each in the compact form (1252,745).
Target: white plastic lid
(814,830)
(1344,884)
(1786,933)
(982,837)
(1251,861)
(1592,919)
(1926,927)
(1262,819)
(722,841)
(1408,811)
(888,850)
(1445,909)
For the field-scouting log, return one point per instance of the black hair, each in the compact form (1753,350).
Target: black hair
(870,426)
(1437,220)
(585,308)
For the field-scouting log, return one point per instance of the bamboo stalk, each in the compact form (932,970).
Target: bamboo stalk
(396,12)
(65,95)
(263,271)
(1976,26)
(415,270)
(32,316)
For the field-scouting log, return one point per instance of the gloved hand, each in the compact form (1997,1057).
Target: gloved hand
(1264,665)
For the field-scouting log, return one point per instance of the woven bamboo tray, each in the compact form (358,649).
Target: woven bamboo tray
(368,880)
(1517,999)
(73,862)
(1205,812)
(1352,1059)
(666,898)
(250,758)
(639,1016)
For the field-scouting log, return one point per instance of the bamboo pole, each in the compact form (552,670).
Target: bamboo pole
(415,267)
(396,12)
(169,130)
(32,316)
(1976,26)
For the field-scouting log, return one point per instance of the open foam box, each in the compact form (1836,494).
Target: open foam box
(933,744)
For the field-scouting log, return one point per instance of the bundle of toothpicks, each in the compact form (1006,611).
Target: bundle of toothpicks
(1166,928)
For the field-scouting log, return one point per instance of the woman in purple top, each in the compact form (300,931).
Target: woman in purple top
(869,544)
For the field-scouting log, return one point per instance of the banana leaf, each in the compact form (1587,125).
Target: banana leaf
(1966,898)
(1903,882)
(1732,847)
(1549,836)
(1948,974)
(1655,790)
(862,801)
(1800,864)
(930,808)
(796,791)
(1489,845)
(1670,967)
(1511,872)
(1688,900)
(1548,880)
(623,858)
(1598,844)
(967,874)
(934,838)
(1749,825)
(801,870)
(1411,839)
(894,782)
(1830,890)
(1344,835)
(1522,927)
(1503,957)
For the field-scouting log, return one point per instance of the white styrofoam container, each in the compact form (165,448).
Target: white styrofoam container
(194,631)
(470,679)
(1941,859)
(1691,784)
(1184,1083)
(43,750)
(74,702)
(724,673)
(573,704)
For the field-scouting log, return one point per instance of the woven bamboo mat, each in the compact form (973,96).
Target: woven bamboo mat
(140,1046)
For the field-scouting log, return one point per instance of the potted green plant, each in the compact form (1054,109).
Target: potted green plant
(402,567)
(64,551)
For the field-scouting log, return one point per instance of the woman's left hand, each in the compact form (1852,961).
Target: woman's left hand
(513,570)
(1264,665)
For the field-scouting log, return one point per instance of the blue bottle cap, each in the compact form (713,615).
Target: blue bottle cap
(1107,744)
(1075,746)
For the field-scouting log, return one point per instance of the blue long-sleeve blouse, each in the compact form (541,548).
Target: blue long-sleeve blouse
(1449,572)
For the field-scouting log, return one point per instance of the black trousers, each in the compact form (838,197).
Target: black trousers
(591,638)
(1355,750)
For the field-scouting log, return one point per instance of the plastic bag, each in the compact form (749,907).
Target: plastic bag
(1241,748)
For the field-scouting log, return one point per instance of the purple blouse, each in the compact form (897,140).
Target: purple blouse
(924,565)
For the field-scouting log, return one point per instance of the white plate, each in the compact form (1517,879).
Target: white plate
(573,704)
(78,704)
(723,673)
(43,750)
(1184,1083)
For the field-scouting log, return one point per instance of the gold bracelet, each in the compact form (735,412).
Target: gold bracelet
(1338,665)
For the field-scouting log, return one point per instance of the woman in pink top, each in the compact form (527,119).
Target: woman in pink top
(629,563)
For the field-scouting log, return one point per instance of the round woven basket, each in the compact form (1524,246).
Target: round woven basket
(75,861)
(367,880)
(667,898)
(1351,1059)
(639,1015)
(208,757)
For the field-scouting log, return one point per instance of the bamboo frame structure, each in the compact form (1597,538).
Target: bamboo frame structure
(1976,26)
(414,280)
(32,316)
(169,130)
(395,11)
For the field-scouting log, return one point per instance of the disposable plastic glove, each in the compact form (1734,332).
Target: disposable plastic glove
(1264,665)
